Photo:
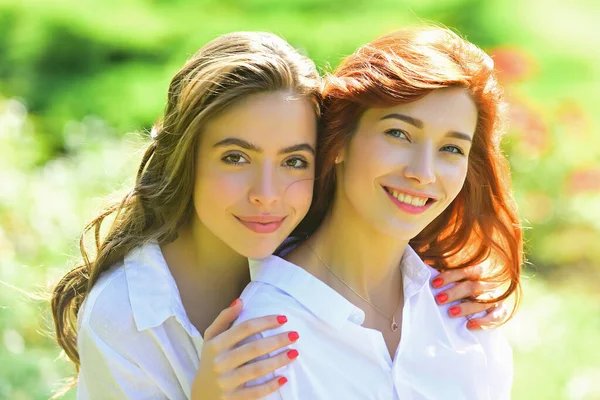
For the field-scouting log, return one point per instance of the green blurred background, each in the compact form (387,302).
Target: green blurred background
(82,81)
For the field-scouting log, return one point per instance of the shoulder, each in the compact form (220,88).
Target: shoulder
(262,299)
(106,313)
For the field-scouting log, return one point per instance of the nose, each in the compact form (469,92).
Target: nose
(265,190)
(421,166)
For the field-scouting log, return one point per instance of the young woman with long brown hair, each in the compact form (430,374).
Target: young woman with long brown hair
(411,180)
(228,175)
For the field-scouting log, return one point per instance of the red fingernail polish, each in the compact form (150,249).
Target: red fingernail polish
(292,354)
(282,319)
(472,325)
(441,298)
(293,336)
(455,310)
(282,381)
(235,302)
(438,282)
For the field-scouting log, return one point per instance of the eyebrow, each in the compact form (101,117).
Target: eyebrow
(410,120)
(417,123)
(249,146)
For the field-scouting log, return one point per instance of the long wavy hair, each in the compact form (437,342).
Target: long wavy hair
(481,225)
(222,72)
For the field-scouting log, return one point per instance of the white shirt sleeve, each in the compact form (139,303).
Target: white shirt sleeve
(499,362)
(117,360)
(107,374)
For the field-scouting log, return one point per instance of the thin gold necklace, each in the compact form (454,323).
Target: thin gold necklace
(393,326)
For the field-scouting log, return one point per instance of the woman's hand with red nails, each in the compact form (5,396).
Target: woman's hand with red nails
(225,368)
(463,285)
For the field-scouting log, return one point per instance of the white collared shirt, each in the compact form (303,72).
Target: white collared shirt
(437,358)
(135,340)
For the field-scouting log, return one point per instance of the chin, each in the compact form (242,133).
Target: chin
(257,251)
(402,231)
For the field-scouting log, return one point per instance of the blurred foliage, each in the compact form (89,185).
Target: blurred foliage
(76,77)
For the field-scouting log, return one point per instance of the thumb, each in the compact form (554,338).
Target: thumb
(224,320)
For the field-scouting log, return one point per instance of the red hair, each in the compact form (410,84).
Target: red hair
(481,225)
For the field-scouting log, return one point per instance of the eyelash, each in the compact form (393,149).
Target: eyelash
(390,132)
(458,150)
(227,160)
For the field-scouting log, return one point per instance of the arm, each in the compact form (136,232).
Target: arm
(107,373)
(235,362)
(499,362)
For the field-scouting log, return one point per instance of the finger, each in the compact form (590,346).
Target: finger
(238,333)
(258,391)
(464,291)
(258,369)
(468,308)
(456,275)
(224,320)
(253,350)
(494,317)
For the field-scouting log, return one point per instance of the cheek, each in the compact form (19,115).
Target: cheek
(367,158)
(298,195)
(218,187)
(453,177)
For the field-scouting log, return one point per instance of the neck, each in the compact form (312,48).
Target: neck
(199,260)
(367,260)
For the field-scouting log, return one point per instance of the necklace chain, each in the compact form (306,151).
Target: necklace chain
(393,326)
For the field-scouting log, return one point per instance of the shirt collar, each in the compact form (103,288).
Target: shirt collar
(319,298)
(415,273)
(153,293)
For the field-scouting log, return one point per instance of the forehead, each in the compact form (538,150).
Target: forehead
(447,108)
(273,118)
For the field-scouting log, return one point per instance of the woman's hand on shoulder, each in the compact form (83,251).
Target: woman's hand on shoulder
(468,285)
(225,368)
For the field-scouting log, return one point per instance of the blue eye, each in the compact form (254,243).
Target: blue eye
(296,163)
(397,133)
(234,159)
(453,149)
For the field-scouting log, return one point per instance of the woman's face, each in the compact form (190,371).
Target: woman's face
(405,164)
(255,171)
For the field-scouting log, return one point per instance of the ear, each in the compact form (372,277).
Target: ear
(340,157)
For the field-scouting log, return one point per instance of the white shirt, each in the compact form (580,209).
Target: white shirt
(437,358)
(135,340)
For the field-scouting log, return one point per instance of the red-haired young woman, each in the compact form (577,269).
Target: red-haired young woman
(411,181)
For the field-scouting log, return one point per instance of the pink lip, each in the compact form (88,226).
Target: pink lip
(409,208)
(261,223)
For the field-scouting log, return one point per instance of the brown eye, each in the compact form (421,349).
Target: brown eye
(234,159)
(296,163)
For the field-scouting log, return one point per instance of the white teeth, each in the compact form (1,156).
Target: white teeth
(412,200)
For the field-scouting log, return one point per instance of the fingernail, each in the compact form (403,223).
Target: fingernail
(293,336)
(437,282)
(282,319)
(455,310)
(441,298)
(235,303)
(282,381)
(473,325)
(292,354)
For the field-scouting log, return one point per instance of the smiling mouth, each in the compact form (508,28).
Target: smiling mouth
(408,202)
(261,224)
